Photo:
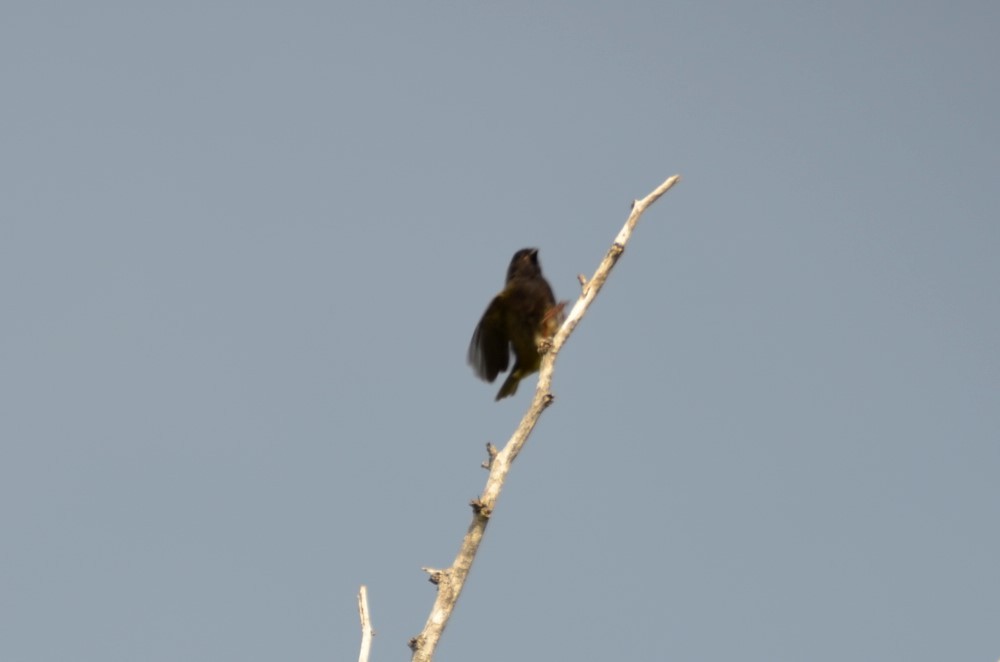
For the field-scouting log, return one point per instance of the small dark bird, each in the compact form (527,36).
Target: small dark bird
(524,314)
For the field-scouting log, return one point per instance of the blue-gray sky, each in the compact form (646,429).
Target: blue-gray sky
(243,248)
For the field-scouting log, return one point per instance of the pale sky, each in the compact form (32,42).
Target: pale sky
(243,249)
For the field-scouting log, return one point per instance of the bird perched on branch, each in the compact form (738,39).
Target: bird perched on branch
(521,317)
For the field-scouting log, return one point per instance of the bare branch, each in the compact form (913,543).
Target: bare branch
(451,581)
(367,632)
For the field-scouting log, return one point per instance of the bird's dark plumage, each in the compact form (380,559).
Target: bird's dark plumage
(519,317)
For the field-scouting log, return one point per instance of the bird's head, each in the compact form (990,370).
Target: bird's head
(524,264)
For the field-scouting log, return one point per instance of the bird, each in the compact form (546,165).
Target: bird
(519,318)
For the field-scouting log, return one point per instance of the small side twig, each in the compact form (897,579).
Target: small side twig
(367,632)
(491,451)
(451,581)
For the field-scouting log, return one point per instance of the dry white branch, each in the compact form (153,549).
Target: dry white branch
(451,580)
(367,632)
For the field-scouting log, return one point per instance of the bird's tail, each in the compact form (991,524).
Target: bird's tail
(509,387)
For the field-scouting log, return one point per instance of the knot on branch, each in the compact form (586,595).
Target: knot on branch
(547,400)
(480,508)
(435,576)
(417,642)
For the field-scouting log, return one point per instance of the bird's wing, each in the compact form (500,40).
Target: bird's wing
(489,351)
